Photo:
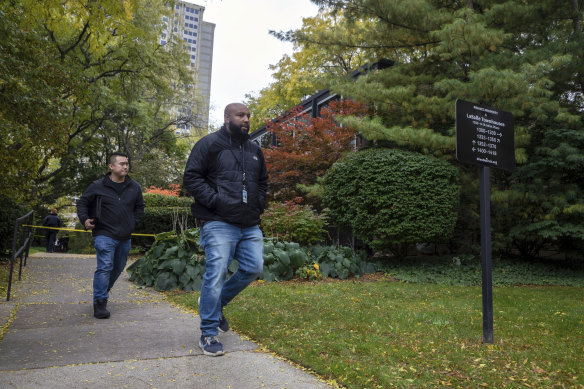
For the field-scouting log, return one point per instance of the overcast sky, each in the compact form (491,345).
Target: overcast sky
(243,48)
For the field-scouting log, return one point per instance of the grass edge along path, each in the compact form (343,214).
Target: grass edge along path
(386,334)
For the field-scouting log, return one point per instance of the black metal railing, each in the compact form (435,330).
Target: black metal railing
(22,239)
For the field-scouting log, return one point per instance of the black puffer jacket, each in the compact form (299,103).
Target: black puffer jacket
(214,177)
(52,220)
(118,213)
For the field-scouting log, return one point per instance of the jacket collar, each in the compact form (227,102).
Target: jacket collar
(109,182)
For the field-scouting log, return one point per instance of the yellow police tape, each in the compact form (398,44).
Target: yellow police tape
(72,229)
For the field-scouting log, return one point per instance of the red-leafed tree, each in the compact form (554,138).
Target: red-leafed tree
(307,147)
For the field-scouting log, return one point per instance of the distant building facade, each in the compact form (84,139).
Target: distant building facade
(187,24)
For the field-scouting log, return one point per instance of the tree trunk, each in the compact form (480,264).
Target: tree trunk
(576,21)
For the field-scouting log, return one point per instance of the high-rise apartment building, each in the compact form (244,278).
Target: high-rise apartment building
(187,24)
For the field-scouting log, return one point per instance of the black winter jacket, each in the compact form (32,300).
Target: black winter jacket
(118,214)
(52,220)
(214,177)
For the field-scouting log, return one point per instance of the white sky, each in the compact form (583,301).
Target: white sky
(243,49)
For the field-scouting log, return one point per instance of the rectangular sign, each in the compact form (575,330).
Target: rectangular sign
(484,136)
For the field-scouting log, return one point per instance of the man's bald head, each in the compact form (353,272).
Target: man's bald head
(237,119)
(230,108)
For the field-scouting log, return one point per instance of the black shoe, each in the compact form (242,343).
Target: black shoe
(99,309)
(223,325)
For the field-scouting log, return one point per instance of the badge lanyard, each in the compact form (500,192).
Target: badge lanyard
(242,165)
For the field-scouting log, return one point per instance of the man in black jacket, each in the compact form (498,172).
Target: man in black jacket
(53,221)
(110,207)
(226,174)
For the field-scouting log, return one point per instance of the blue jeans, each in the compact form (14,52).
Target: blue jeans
(111,260)
(222,242)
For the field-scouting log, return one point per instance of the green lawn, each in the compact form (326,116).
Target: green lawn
(385,334)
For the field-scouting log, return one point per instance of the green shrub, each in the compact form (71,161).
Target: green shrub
(175,261)
(292,221)
(391,198)
(163,214)
(156,200)
(281,259)
(341,262)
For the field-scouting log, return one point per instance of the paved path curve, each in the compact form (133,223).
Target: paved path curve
(50,338)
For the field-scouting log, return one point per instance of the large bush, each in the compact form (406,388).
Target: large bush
(391,198)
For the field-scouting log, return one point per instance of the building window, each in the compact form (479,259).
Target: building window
(177,6)
(162,42)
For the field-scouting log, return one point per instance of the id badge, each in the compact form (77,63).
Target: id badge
(245,196)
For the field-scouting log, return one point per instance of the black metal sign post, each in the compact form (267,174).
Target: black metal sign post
(486,261)
(484,136)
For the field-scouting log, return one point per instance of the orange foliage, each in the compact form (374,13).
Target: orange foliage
(173,191)
(307,147)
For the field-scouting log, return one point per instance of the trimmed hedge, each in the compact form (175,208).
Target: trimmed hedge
(392,198)
(160,214)
(156,200)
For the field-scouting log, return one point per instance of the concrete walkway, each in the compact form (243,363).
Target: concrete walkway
(50,338)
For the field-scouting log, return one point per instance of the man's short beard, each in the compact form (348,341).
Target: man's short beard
(235,129)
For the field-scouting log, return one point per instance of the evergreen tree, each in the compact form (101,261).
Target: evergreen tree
(520,56)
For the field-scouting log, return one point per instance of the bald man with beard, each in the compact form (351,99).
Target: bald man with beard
(226,174)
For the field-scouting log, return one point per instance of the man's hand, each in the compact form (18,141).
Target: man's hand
(89,224)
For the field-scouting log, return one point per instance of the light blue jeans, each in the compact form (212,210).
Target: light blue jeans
(111,260)
(222,242)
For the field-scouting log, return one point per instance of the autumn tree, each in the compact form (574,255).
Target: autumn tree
(306,147)
(80,79)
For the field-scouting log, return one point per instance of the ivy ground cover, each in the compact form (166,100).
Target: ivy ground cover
(387,334)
